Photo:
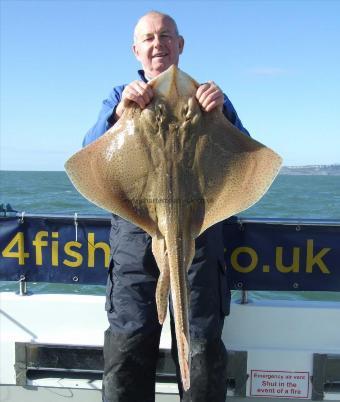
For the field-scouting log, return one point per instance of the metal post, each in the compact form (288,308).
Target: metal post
(22,286)
(244,297)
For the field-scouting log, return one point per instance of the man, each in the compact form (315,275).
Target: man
(131,343)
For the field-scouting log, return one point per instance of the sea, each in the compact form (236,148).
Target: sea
(290,196)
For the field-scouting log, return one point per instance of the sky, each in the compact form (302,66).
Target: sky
(277,61)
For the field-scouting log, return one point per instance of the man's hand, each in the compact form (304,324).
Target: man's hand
(138,92)
(209,96)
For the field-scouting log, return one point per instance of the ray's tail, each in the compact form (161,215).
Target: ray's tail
(180,258)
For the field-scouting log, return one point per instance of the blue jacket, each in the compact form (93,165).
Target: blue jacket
(106,115)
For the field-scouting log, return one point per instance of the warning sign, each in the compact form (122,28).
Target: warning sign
(279,384)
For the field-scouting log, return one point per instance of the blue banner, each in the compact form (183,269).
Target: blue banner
(268,256)
(259,255)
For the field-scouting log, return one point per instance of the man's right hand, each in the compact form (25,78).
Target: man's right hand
(138,92)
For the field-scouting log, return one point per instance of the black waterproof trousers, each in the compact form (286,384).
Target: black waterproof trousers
(131,343)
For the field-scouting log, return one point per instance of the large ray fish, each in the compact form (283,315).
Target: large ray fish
(174,171)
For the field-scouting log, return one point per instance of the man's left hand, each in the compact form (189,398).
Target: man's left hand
(209,96)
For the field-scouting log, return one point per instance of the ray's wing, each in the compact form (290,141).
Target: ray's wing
(113,171)
(234,170)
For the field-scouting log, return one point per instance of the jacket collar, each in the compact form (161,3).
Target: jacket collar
(141,74)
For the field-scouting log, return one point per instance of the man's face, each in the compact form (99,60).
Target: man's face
(157,45)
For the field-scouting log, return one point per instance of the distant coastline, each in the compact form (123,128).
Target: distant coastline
(311,170)
(307,170)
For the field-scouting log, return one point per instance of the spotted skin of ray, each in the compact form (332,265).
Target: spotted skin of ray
(174,171)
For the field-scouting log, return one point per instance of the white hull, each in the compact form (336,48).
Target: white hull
(278,336)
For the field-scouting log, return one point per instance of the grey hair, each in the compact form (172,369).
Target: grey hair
(154,12)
